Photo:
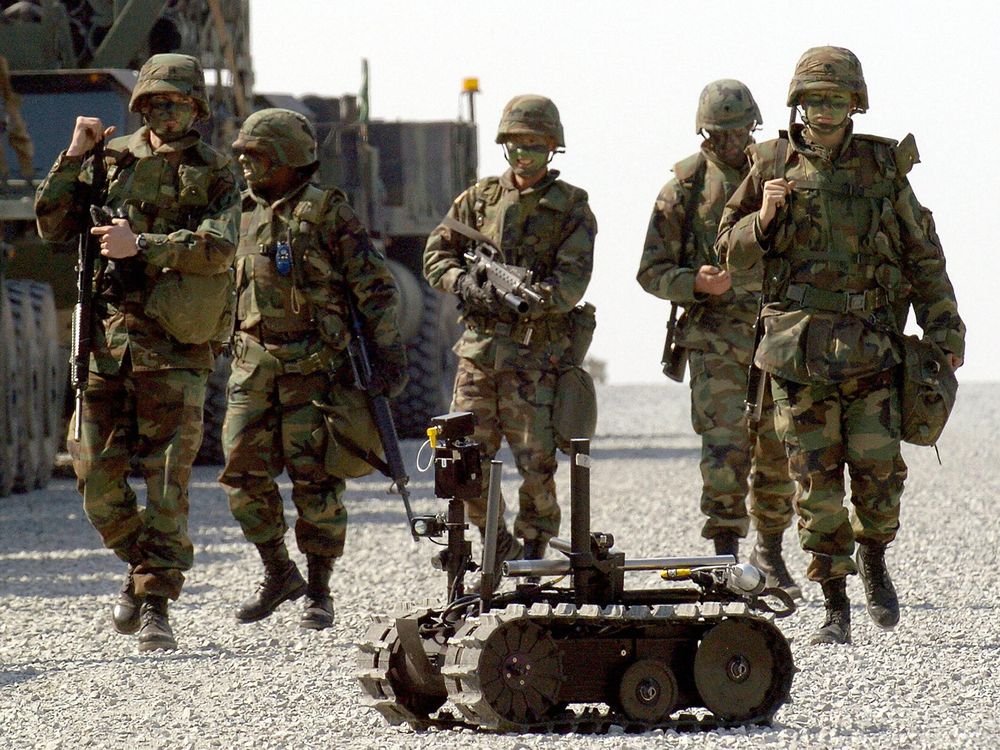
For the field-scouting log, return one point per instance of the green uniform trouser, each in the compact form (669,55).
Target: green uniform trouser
(516,405)
(826,426)
(271,425)
(154,418)
(733,459)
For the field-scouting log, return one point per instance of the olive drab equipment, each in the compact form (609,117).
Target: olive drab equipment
(724,105)
(829,67)
(172,74)
(928,389)
(574,410)
(530,114)
(286,137)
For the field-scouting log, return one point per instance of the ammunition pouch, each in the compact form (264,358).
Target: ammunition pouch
(193,309)
(574,412)
(351,434)
(582,322)
(927,391)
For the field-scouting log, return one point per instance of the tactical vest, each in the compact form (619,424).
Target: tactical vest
(834,281)
(160,198)
(510,218)
(839,240)
(306,302)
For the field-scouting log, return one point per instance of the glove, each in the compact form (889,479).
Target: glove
(473,294)
(389,371)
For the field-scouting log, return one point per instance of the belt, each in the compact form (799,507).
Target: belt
(250,350)
(807,295)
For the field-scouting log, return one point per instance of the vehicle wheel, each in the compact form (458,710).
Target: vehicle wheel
(431,366)
(28,436)
(210,453)
(10,396)
(52,393)
(743,670)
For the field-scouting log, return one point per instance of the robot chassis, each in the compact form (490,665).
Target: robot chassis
(515,661)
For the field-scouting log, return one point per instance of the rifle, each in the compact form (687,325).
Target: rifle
(674,358)
(378,404)
(512,283)
(88,251)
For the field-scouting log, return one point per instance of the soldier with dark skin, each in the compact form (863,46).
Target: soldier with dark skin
(717,330)
(143,403)
(302,251)
(844,248)
(508,363)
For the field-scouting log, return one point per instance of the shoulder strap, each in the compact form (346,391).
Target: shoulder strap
(695,182)
(780,155)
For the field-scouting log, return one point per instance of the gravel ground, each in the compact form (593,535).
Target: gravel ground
(68,681)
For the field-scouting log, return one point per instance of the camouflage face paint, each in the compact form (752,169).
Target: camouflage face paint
(826,111)
(169,118)
(526,159)
(730,144)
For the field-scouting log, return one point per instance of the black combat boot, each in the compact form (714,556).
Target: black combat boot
(534,549)
(727,543)
(766,557)
(154,632)
(125,612)
(883,605)
(508,548)
(319,603)
(282,582)
(837,626)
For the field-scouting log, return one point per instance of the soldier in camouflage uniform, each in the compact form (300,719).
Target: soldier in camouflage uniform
(302,251)
(508,364)
(717,330)
(17,132)
(146,391)
(828,218)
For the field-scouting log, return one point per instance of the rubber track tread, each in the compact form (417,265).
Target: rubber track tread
(465,648)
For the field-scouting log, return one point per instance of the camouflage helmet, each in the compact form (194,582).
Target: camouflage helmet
(532,115)
(825,68)
(171,74)
(286,136)
(724,105)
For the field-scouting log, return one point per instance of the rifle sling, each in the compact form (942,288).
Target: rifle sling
(466,231)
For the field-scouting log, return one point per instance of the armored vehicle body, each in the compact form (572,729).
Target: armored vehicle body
(80,57)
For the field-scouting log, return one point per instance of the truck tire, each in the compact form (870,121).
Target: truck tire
(10,397)
(54,370)
(28,407)
(431,366)
(210,453)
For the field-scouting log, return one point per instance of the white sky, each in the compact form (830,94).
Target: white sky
(626,77)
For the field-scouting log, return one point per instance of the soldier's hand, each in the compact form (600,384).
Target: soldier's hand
(775,194)
(117,240)
(955,361)
(472,293)
(86,133)
(712,280)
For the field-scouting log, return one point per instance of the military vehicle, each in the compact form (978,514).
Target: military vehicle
(82,56)
(699,651)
